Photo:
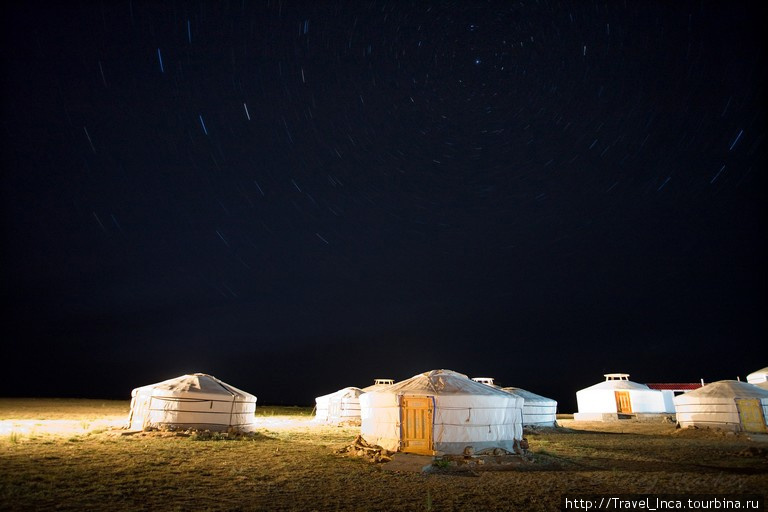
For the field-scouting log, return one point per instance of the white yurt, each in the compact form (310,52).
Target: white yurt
(538,411)
(617,395)
(726,405)
(339,407)
(441,411)
(196,401)
(758,376)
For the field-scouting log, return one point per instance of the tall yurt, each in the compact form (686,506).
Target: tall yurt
(725,405)
(538,411)
(617,396)
(441,411)
(339,407)
(195,401)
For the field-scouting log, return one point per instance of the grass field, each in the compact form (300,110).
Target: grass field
(71,455)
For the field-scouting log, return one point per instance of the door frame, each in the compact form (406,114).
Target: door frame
(619,396)
(423,445)
(751,405)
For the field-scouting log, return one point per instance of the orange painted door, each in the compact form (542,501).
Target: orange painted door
(416,426)
(623,405)
(751,414)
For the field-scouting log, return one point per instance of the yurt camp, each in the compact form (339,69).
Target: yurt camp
(617,397)
(338,408)
(538,411)
(725,405)
(758,376)
(441,411)
(196,401)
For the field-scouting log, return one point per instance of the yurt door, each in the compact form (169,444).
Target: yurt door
(416,414)
(623,405)
(751,414)
(334,410)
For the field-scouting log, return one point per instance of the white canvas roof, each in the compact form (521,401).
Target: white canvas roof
(465,413)
(617,384)
(443,382)
(758,376)
(198,385)
(378,384)
(348,392)
(530,397)
(197,401)
(722,389)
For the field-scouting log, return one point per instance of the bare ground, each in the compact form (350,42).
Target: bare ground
(70,455)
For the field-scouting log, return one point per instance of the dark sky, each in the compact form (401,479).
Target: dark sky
(301,196)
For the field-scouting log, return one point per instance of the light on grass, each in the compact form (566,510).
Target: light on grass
(62,428)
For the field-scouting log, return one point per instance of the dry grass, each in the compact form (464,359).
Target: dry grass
(290,465)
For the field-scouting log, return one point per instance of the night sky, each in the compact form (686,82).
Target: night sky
(301,196)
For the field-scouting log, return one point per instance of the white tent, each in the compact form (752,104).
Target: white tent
(441,411)
(758,376)
(726,404)
(538,411)
(618,395)
(197,401)
(342,406)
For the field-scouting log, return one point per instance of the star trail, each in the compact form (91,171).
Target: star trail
(301,196)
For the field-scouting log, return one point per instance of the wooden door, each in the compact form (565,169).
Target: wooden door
(751,414)
(623,405)
(416,413)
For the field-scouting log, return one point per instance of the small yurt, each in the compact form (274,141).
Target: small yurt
(726,405)
(441,411)
(196,401)
(617,395)
(758,376)
(339,407)
(538,411)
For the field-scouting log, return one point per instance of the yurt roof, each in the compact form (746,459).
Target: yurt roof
(758,373)
(442,382)
(618,384)
(530,397)
(195,384)
(344,393)
(723,389)
(377,385)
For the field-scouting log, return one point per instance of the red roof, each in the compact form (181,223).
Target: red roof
(676,386)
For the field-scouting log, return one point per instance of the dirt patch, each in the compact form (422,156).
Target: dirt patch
(361,448)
